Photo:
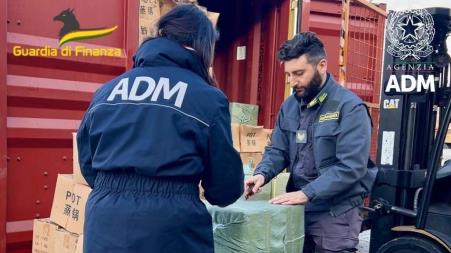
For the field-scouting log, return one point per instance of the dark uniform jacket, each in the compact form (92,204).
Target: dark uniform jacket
(158,123)
(341,145)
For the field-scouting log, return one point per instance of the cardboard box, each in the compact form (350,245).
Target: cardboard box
(76,221)
(214,17)
(64,183)
(244,113)
(236,136)
(43,236)
(250,162)
(149,13)
(69,201)
(48,237)
(166,6)
(252,139)
(79,248)
(65,242)
(268,135)
(151,10)
(279,184)
(78,177)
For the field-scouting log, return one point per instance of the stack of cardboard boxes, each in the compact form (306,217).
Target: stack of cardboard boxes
(255,225)
(63,231)
(252,143)
(250,140)
(151,10)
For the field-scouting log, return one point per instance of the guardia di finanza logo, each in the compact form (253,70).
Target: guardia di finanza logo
(71,30)
(410,33)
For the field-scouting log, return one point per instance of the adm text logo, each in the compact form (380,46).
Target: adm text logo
(71,31)
(409,34)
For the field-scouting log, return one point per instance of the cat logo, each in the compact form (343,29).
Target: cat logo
(71,29)
(391,103)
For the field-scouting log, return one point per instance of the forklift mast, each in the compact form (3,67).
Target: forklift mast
(415,94)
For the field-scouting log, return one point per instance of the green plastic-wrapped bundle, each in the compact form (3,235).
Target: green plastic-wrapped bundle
(243,113)
(257,226)
(279,184)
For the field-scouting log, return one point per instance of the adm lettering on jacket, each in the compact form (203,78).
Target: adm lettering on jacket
(153,90)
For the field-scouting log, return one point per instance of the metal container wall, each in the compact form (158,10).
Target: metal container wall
(3,147)
(364,51)
(260,27)
(43,99)
(364,63)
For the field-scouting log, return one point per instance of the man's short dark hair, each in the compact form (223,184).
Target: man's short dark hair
(303,43)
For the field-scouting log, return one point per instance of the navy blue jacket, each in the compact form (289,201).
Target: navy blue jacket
(162,119)
(341,146)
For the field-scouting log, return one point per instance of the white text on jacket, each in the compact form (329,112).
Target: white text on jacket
(152,90)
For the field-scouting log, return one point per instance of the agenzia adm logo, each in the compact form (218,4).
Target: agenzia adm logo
(410,33)
(71,29)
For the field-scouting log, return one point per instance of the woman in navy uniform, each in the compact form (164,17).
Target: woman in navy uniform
(150,136)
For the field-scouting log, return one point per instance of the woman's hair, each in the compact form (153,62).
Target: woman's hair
(190,26)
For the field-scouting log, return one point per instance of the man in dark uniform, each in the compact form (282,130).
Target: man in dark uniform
(149,136)
(322,134)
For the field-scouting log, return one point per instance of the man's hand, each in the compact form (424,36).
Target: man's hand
(252,185)
(291,198)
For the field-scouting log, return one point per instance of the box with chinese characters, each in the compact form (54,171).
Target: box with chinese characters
(149,13)
(151,10)
(48,237)
(254,138)
(69,201)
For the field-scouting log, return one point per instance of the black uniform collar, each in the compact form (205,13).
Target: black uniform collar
(164,52)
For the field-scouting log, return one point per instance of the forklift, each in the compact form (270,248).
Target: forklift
(410,204)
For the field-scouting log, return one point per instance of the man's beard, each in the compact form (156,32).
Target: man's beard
(312,88)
